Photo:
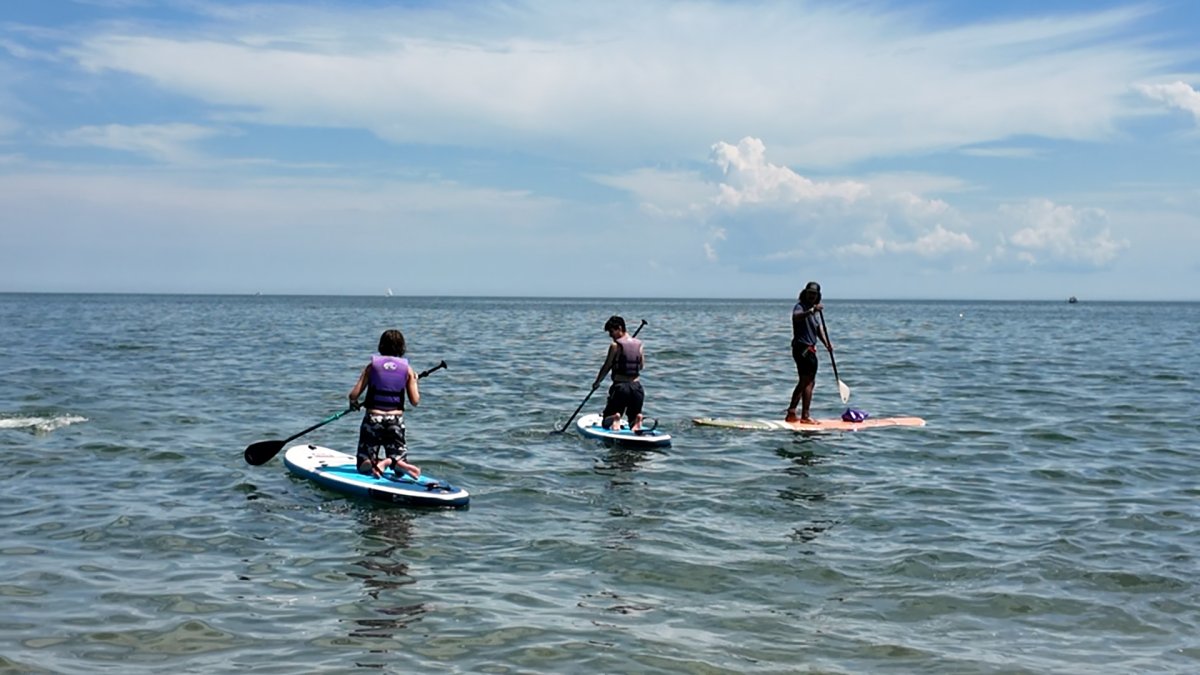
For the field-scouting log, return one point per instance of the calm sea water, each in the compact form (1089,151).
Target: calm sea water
(1046,520)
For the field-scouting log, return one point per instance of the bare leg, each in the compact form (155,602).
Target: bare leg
(797,392)
(637,423)
(807,403)
(612,421)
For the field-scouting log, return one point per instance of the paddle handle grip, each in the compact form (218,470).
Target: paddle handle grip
(439,366)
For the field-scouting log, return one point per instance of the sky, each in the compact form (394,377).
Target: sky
(617,149)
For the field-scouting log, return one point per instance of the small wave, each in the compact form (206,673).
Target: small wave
(40,424)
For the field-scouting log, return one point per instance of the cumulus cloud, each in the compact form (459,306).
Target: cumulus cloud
(1176,95)
(163,142)
(1049,233)
(770,212)
(750,179)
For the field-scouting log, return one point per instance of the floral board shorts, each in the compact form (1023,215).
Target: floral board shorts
(380,436)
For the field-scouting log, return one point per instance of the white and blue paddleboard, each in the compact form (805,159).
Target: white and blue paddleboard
(589,426)
(337,471)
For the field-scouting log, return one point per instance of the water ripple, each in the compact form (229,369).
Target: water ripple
(1044,521)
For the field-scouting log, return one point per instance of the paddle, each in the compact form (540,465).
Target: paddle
(842,388)
(585,398)
(261,452)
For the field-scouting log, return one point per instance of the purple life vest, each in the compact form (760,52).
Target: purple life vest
(387,382)
(629,358)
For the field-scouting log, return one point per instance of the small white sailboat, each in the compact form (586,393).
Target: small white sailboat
(389,292)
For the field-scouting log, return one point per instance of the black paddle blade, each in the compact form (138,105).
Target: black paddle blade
(262,451)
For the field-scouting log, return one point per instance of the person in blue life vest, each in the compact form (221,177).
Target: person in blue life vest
(806,331)
(625,359)
(388,380)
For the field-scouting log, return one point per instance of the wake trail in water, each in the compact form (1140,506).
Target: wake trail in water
(40,424)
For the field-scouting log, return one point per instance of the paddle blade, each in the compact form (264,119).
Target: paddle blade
(262,452)
(844,390)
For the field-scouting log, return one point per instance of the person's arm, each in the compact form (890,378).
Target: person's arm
(609,360)
(825,339)
(414,392)
(358,388)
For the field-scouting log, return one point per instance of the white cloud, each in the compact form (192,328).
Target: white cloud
(1011,152)
(932,244)
(750,179)
(674,194)
(163,142)
(1176,95)
(772,213)
(828,84)
(710,249)
(1049,233)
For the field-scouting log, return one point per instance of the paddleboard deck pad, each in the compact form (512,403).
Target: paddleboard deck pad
(338,471)
(589,426)
(824,425)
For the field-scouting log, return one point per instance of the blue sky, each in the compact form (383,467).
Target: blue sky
(959,150)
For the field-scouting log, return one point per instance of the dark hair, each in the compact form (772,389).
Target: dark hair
(811,294)
(614,321)
(391,343)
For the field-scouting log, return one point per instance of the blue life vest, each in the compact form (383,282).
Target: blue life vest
(387,382)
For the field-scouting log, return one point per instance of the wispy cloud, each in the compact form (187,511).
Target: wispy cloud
(828,85)
(1011,152)
(174,143)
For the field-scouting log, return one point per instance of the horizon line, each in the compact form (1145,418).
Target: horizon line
(573,297)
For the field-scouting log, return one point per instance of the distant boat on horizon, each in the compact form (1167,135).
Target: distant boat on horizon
(1072,300)
(389,294)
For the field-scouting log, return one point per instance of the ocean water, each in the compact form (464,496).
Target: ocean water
(1047,520)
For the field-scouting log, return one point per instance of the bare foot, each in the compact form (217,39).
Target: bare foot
(637,424)
(808,420)
(405,467)
(791,416)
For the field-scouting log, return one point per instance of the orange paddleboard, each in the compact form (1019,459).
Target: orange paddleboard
(824,425)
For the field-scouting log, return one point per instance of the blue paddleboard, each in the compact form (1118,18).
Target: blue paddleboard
(337,471)
(589,426)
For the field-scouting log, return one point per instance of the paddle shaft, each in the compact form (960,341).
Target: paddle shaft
(318,425)
(843,389)
(589,396)
(832,360)
(262,451)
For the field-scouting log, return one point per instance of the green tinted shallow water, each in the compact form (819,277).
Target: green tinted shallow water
(1045,521)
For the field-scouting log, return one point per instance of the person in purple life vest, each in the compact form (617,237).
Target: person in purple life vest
(388,381)
(625,359)
(806,331)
